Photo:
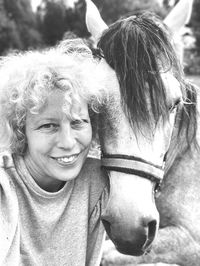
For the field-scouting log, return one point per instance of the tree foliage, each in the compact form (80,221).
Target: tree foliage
(56,21)
(53,21)
(111,10)
(18,26)
(21,28)
(9,37)
(195,23)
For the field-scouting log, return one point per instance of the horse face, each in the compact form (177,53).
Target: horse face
(136,147)
(131,218)
(147,141)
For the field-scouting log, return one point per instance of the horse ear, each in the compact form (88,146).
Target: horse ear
(94,21)
(179,16)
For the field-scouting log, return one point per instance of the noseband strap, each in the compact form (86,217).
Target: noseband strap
(133,165)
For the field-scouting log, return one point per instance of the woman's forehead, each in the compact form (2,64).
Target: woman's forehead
(58,105)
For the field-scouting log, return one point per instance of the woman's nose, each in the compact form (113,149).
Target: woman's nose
(66,138)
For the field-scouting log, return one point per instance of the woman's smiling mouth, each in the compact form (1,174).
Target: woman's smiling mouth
(66,159)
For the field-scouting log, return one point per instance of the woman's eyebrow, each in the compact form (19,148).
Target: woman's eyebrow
(40,120)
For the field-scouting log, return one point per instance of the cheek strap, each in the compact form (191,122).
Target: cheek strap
(133,165)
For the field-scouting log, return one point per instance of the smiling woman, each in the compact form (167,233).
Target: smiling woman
(52,195)
(58,144)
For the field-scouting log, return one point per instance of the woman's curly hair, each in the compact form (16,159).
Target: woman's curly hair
(28,78)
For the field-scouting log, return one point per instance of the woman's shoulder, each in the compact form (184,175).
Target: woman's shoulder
(97,179)
(93,163)
(7,187)
(9,212)
(6,163)
(6,160)
(94,172)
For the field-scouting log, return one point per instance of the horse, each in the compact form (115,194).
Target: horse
(152,126)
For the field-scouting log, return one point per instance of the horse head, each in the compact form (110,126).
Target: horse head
(145,84)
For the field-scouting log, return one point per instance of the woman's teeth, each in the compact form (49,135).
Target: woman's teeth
(67,159)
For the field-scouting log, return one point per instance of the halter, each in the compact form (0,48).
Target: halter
(129,164)
(133,165)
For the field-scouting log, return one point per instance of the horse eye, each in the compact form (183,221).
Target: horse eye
(157,189)
(173,107)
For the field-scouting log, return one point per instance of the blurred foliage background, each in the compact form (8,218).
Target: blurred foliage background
(23,28)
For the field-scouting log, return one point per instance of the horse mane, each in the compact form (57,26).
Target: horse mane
(138,48)
(184,136)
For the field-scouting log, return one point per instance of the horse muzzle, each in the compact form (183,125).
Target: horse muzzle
(131,218)
(131,239)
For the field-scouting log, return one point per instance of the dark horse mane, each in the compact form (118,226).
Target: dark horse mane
(185,129)
(138,48)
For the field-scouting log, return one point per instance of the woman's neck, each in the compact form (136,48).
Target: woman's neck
(47,184)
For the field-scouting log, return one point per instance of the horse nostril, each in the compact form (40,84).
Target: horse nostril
(152,227)
(107,226)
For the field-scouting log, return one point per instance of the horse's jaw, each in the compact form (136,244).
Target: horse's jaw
(131,219)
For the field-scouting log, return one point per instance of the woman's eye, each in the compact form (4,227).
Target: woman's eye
(79,122)
(49,126)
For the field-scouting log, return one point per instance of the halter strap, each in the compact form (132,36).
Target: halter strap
(133,165)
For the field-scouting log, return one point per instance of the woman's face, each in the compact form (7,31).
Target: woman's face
(57,144)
